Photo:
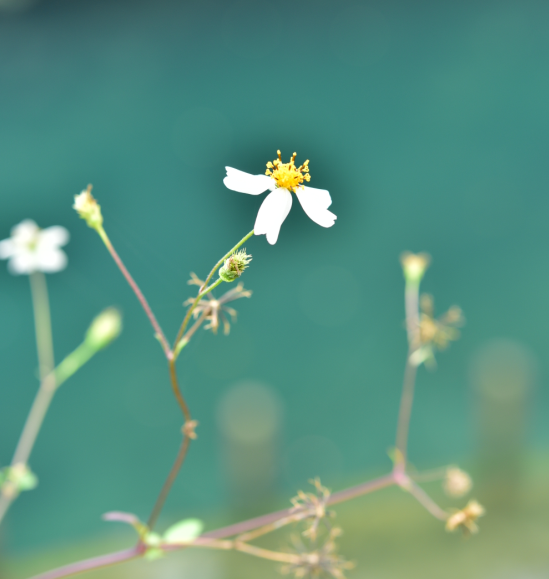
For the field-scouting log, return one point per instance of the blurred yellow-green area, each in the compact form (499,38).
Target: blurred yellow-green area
(428,123)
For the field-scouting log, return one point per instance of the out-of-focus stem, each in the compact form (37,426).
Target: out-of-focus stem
(205,540)
(137,292)
(39,408)
(339,497)
(93,563)
(422,497)
(405,413)
(42,323)
(411,303)
(157,509)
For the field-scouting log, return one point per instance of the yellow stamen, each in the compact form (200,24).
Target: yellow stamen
(287,175)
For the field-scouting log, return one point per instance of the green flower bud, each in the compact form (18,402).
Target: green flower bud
(88,208)
(234,266)
(105,328)
(414,265)
(17,478)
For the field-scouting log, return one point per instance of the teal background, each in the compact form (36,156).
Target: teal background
(427,122)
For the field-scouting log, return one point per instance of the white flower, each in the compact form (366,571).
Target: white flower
(31,249)
(282,179)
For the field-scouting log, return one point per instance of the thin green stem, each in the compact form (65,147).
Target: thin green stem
(226,256)
(73,362)
(39,408)
(405,414)
(184,324)
(42,323)
(44,342)
(411,303)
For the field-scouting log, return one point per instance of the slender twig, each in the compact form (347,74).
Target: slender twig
(422,497)
(137,292)
(336,498)
(39,408)
(430,475)
(177,391)
(188,315)
(42,323)
(404,414)
(411,303)
(190,332)
(238,545)
(236,529)
(94,563)
(173,353)
(157,509)
(265,553)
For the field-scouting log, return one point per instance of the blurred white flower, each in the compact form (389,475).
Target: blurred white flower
(31,249)
(282,179)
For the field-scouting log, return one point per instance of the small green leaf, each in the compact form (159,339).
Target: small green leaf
(184,532)
(28,481)
(153,553)
(153,540)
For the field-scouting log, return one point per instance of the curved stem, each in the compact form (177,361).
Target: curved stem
(157,509)
(187,317)
(180,458)
(177,391)
(137,292)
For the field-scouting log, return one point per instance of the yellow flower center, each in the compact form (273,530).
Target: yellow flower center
(287,175)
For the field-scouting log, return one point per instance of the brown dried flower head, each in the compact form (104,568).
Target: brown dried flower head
(216,310)
(435,332)
(466,518)
(442,330)
(315,562)
(313,507)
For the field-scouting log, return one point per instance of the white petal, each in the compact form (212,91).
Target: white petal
(247,183)
(51,260)
(23,262)
(315,203)
(55,236)
(25,232)
(272,213)
(7,248)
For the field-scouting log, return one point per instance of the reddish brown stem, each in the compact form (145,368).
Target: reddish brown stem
(244,526)
(94,563)
(169,482)
(138,293)
(336,498)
